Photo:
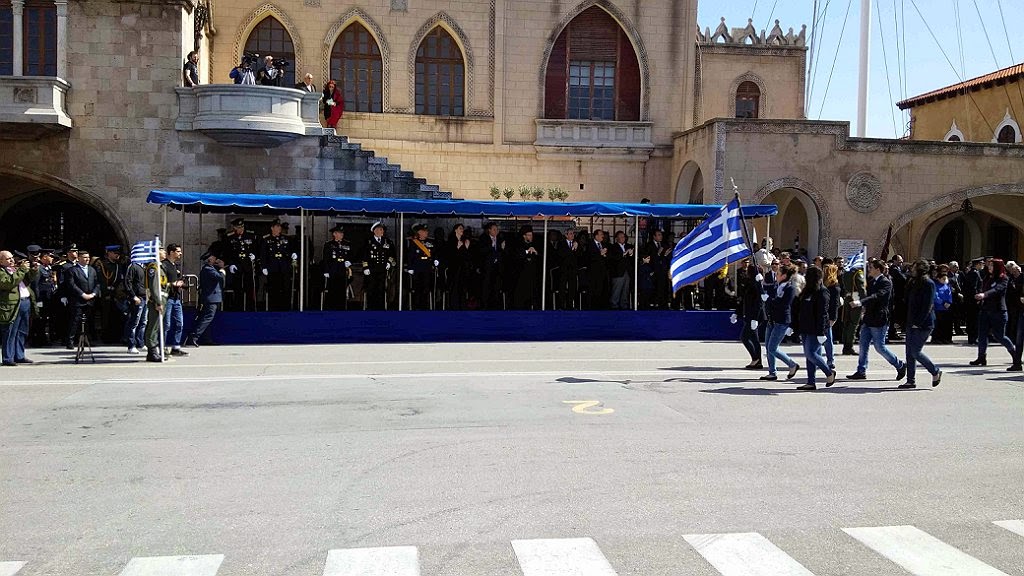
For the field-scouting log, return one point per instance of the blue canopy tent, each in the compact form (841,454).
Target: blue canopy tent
(229,202)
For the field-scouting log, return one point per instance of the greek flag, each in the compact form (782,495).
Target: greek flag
(859,260)
(718,241)
(144,252)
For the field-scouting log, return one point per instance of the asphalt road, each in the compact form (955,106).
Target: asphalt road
(587,459)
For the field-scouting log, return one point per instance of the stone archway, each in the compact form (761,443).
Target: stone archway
(690,186)
(783,192)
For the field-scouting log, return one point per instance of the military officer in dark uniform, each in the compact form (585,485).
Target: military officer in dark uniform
(111,271)
(241,265)
(44,286)
(337,270)
(378,258)
(278,259)
(62,313)
(421,263)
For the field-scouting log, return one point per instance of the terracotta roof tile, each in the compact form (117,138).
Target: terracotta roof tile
(1006,74)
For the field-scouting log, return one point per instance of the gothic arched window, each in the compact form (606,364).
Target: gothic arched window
(270,38)
(440,75)
(592,72)
(1007,135)
(748,100)
(358,69)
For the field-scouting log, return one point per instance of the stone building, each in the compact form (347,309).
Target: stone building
(607,99)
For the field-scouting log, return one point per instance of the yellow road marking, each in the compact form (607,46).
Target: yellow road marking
(587,407)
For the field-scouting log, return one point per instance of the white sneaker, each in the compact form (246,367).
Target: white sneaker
(133,350)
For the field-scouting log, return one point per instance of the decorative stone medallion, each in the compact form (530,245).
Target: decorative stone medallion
(399,5)
(23,95)
(864,192)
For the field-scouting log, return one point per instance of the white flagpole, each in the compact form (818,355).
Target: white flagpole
(159,294)
(864,249)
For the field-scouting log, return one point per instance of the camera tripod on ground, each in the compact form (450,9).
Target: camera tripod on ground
(83,342)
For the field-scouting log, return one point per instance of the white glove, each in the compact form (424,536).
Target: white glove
(436,263)
(842,301)
(327,274)
(388,267)
(764,297)
(789,331)
(754,324)
(252,257)
(759,278)
(64,301)
(294,256)
(821,339)
(348,264)
(233,269)
(366,272)
(410,272)
(265,273)
(733,319)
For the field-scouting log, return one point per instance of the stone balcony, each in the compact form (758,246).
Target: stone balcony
(32,107)
(588,137)
(249,116)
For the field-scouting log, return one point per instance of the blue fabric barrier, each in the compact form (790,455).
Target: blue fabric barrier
(496,326)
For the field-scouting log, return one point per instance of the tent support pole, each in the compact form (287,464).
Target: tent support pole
(184,266)
(544,269)
(401,257)
(163,231)
(636,262)
(768,228)
(302,257)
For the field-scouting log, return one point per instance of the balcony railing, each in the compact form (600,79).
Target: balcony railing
(592,136)
(249,116)
(32,107)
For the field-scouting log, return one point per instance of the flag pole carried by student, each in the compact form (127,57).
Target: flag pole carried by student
(860,260)
(146,253)
(716,242)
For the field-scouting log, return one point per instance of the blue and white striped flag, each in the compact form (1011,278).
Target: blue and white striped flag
(144,252)
(718,241)
(860,259)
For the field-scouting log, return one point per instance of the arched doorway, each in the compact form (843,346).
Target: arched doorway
(961,237)
(53,219)
(690,187)
(798,224)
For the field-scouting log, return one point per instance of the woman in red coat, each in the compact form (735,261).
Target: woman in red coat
(333,104)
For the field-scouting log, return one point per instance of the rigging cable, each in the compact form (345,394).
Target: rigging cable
(752,12)
(770,14)
(810,65)
(834,60)
(984,29)
(1013,59)
(950,62)
(888,83)
(817,54)
(959,36)
(899,58)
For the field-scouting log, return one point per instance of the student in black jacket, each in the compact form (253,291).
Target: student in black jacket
(920,323)
(835,302)
(993,315)
(780,306)
(751,312)
(875,324)
(813,306)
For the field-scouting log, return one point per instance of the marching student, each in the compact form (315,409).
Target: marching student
(814,310)
(920,323)
(780,307)
(877,305)
(992,314)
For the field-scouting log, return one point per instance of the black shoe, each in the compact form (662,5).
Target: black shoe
(153,358)
(849,352)
(192,343)
(754,366)
(857,376)
(981,361)
(1015,368)
(769,377)
(831,379)
(907,386)
(178,352)
(936,379)
(23,361)
(901,372)
(9,363)
(807,387)
(69,347)
(792,372)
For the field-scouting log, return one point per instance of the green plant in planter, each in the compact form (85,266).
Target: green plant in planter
(508,193)
(495,192)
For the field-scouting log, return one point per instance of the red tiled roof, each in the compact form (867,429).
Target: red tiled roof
(1004,75)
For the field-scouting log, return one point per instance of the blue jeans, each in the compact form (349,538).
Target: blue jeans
(996,323)
(916,338)
(174,322)
(869,335)
(813,357)
(15,333)
(830,349)
(776,333)
(135,326)
(204,317)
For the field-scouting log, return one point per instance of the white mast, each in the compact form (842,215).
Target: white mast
(865,52)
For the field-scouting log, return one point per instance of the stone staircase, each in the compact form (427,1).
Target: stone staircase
(361,173)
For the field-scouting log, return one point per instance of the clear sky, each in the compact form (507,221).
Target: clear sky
(921,63)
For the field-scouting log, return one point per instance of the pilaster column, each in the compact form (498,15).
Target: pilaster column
(62,38)
(18,16)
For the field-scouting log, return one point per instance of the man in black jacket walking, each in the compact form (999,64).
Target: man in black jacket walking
(877,305)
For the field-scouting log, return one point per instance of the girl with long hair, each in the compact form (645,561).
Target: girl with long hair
(334,105)
(835,302)
(993,315)
(814,323)
(920,323)
(780,316)
(751,312)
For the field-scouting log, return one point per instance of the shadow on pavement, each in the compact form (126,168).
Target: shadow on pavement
(820,390)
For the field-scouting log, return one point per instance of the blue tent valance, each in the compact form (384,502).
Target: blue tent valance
(222,202)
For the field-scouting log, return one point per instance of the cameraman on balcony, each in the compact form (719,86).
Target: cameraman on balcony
(270,74)
(242,74)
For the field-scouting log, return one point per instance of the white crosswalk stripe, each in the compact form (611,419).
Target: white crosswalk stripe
(10,568)
(561,557)
(206,565)
(920,553)
(1015,526)
(748,554)
(390,561)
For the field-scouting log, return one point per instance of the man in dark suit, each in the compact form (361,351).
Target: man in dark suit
(211,292)
(568,255)
(597,271)
(491,249)
(82,286)
(620,260)
(307,84)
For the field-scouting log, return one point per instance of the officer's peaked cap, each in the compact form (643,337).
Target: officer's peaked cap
(33,249)
(376,224)
(238,222)
(337,228)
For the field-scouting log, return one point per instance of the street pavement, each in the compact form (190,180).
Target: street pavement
(553,459)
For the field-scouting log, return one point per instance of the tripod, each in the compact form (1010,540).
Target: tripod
(83,342)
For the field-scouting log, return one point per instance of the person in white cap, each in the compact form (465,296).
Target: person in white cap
(378,259)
